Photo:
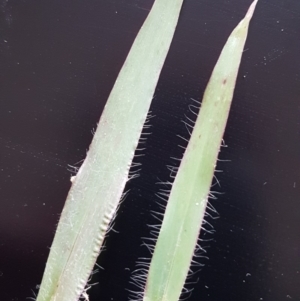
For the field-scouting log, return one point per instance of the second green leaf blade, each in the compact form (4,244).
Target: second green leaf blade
(188,198)
(96,191)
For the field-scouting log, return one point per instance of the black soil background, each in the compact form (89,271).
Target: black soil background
(59,61)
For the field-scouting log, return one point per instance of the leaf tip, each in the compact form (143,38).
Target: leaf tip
(251,9)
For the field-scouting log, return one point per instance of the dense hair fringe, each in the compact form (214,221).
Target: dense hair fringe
(139,275)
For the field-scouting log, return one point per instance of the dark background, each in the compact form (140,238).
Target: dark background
(58,62)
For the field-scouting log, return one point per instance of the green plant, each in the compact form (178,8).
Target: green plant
(188,198)
(97,188)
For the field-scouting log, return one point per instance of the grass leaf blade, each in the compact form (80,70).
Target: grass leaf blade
(188,198)
(98,186)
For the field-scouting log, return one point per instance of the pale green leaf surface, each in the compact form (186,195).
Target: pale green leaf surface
(98,186)
(188,198)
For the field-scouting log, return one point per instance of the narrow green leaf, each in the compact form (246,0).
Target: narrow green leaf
(188,198)
(98,186)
